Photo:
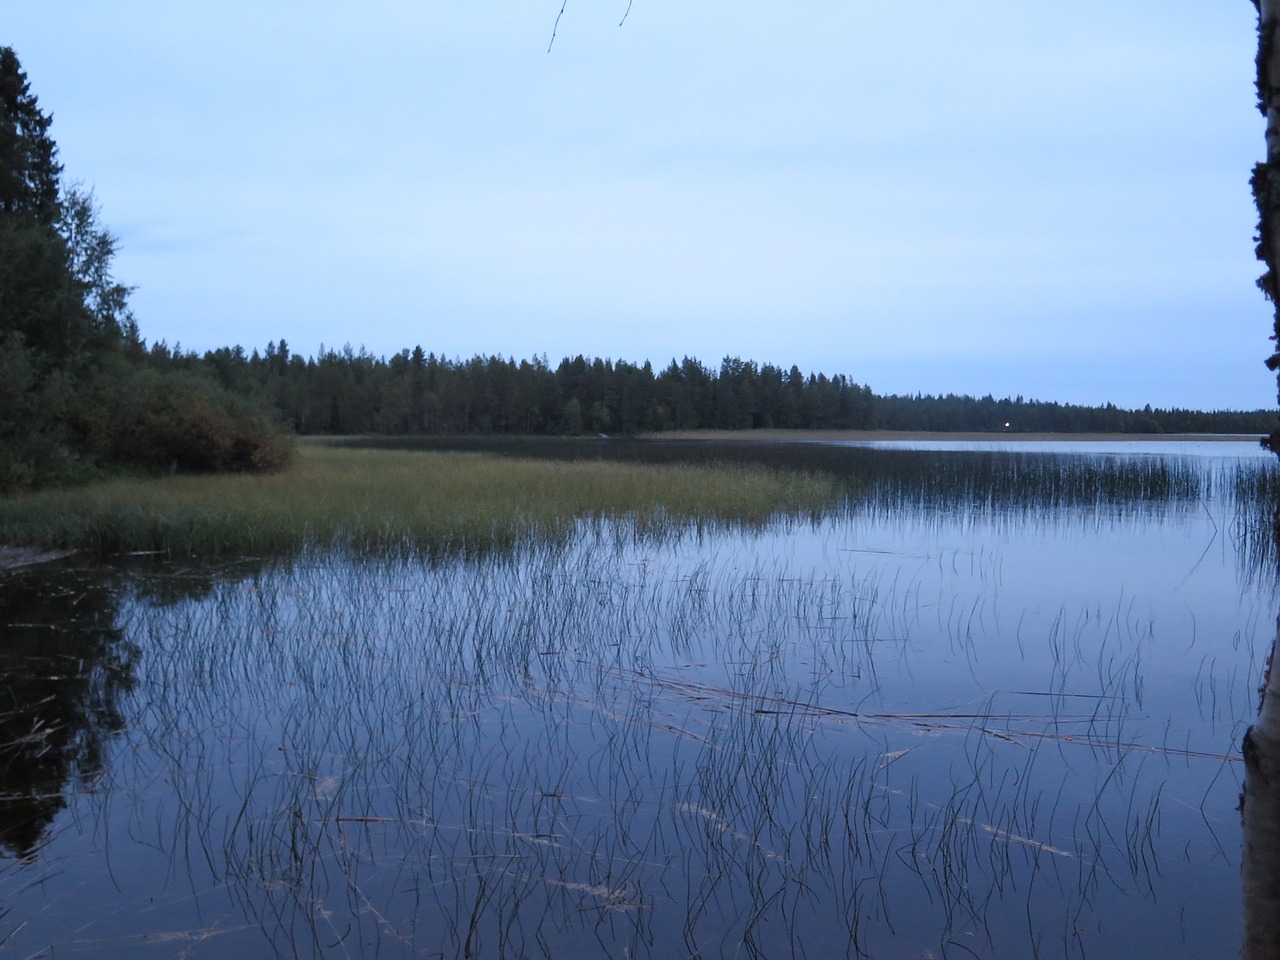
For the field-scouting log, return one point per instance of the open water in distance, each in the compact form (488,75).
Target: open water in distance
(951,719)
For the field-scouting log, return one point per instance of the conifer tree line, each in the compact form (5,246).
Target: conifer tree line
(351,391)
(415,392)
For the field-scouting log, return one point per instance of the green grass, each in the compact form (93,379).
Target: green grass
(377,500)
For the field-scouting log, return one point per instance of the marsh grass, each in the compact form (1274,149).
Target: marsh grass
(380,501)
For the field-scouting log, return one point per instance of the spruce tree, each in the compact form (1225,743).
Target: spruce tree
(29,167)
(56,289)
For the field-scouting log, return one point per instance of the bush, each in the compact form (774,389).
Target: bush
(174,420)
(58,428)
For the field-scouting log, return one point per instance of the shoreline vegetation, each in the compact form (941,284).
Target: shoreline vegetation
(384,501)
(460,496)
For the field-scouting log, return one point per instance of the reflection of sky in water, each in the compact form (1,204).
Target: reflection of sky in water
(1137,630)
(983,604)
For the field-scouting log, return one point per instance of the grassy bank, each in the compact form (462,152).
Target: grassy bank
(381,500)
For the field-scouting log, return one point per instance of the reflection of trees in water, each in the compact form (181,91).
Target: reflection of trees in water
(63,667)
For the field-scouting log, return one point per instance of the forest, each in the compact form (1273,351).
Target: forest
(352,391)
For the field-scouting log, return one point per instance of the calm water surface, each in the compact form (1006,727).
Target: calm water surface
(1244,448)
(981,722)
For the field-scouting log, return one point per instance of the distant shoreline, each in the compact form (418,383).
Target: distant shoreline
(998,437)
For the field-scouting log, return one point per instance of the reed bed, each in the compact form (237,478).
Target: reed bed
(377,501)
(1257,515)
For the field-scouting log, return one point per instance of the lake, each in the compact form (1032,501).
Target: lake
(991,705)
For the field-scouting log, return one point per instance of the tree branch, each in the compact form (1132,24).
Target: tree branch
(555,25)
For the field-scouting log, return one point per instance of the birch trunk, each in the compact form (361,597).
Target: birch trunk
(1260,817)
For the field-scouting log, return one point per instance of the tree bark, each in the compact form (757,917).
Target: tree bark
(1260,818)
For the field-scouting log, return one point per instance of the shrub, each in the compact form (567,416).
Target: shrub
(175,420)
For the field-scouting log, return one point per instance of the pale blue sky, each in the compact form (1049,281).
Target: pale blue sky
(955,195)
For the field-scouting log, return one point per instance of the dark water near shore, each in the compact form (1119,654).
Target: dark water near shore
(992,708)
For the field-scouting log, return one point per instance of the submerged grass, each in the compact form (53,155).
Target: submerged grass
(379,500)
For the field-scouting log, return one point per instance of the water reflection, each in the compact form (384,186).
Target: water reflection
(994,727)
(64,665)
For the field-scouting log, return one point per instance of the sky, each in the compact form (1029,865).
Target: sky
(951,196)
